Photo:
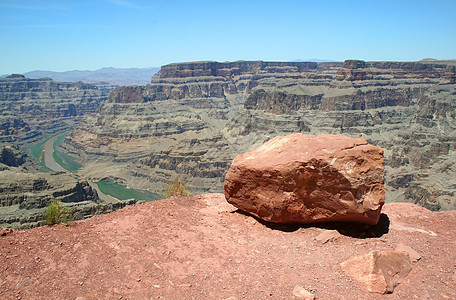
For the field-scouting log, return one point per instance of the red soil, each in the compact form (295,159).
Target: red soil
(201,248)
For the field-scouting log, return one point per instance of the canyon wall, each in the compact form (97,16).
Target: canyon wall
(30,108)
(194,118)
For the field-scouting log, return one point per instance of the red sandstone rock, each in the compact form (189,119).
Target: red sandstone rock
(306,178)
(378,271)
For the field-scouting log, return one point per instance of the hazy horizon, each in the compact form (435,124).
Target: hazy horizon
(89,35)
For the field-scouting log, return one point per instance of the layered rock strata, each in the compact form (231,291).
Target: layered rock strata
(32,107)
(194,118)
(24,197)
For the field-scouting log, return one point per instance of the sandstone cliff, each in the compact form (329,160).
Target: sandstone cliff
(194,118)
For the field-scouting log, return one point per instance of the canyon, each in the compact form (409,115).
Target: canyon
(32,110)
(192,119)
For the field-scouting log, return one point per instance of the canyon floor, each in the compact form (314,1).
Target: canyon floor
(201,247)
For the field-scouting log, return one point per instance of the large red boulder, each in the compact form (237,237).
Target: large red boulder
(306,178)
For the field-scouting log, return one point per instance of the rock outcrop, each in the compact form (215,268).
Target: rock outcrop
(30,110)
(307,179)
(24,195)
(12,157)
(194,118)
(5,231)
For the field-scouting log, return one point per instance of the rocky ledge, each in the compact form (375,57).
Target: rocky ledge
(24,197)
(203,248)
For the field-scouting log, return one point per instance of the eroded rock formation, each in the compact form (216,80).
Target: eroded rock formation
(194,118)
(32,107)
(11,156)
(24,197)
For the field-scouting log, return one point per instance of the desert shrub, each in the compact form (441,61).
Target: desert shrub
(56,213)
(177,187)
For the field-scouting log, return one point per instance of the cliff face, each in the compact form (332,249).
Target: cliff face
(31,107)
(11,156)
(228,69)
(194,118)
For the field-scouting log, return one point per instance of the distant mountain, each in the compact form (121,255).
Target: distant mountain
(115,76)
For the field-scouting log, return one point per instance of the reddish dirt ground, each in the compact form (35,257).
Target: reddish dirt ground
(202,248)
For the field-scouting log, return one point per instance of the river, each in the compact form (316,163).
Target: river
(50,162)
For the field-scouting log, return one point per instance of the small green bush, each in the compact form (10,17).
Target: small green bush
(56,213)
(177,187)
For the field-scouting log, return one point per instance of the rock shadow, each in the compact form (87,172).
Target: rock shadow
(360,230)
(352,229)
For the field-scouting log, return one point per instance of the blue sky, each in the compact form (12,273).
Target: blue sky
(60,35)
